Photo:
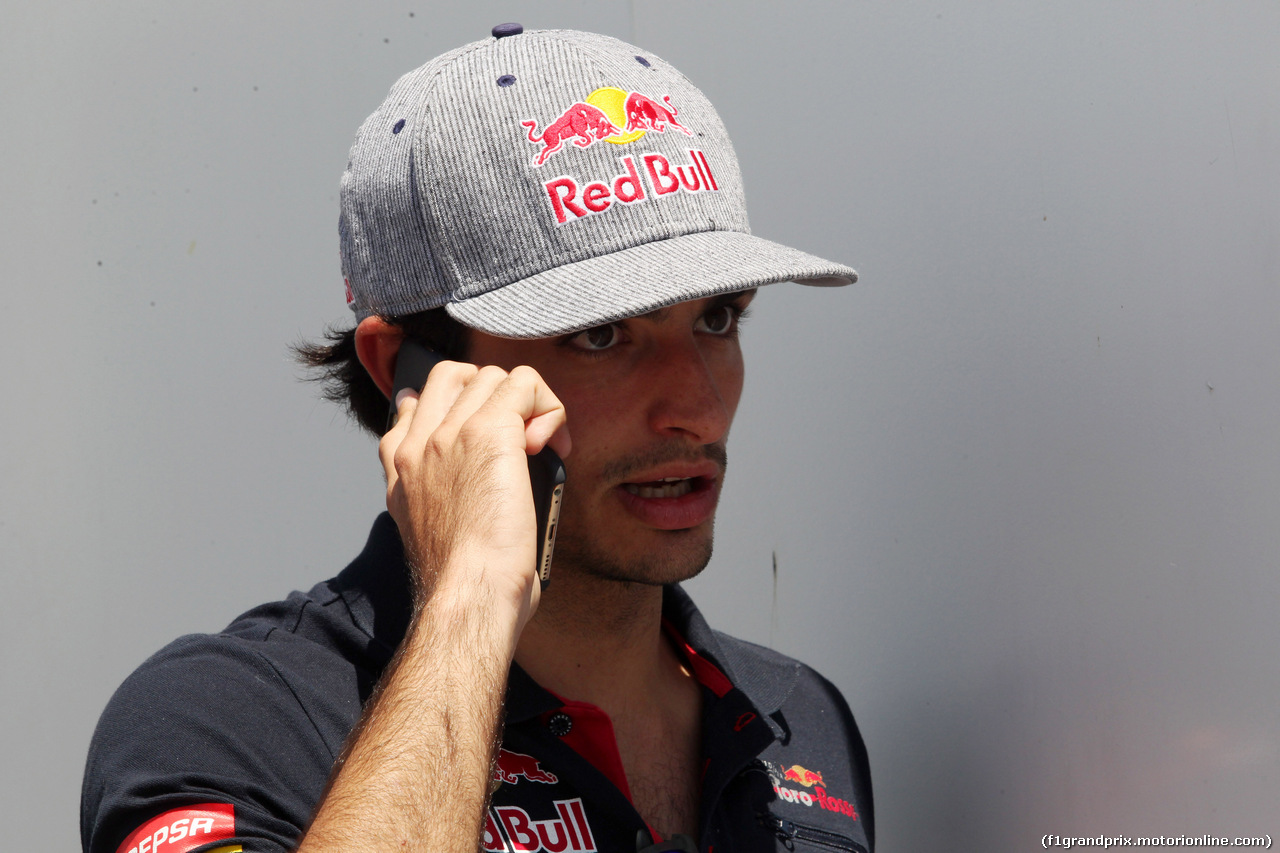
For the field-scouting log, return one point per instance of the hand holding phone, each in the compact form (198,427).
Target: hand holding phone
(546,469)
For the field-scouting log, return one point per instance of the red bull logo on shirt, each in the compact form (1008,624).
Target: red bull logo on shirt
(803,775)
(606,115)
(510,766)
(510,829)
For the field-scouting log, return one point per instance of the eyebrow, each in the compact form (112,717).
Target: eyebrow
(659,314)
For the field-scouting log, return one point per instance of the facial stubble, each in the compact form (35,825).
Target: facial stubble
(680,554)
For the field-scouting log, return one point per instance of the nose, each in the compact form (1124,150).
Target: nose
(693,396)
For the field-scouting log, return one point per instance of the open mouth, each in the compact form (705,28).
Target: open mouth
(672,503)
(668,487)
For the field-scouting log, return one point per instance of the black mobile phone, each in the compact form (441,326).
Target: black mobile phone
(546,469)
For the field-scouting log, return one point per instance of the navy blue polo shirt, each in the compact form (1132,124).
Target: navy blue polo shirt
(225,742)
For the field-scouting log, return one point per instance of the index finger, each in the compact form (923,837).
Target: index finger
(527,394)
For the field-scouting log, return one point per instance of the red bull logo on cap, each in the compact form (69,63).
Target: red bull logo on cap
(619,118)
(606,115)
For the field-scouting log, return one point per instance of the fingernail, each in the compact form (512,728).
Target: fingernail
(404,392)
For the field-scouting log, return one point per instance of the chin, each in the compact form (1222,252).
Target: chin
(683,555)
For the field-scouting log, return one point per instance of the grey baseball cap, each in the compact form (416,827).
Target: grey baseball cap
(538,183)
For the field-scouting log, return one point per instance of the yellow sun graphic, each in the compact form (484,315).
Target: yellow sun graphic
(613,103)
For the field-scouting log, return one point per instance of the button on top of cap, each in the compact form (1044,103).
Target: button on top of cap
(503,30)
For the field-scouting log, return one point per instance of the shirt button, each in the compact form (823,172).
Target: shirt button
(560,724)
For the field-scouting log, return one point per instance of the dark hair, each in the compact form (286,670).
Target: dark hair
(333,362)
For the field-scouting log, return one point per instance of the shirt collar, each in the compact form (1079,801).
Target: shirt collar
(375,588)
(765,677)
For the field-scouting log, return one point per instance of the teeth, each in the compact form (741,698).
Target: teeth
(673,487)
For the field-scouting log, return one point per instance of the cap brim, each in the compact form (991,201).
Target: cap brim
(640,279)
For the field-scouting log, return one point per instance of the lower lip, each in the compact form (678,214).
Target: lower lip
(679,513)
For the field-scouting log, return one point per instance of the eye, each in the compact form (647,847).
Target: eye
(720,320)
(597,338)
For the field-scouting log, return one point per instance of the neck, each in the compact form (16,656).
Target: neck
(600,641)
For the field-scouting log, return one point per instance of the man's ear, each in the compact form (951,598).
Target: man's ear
(377,345)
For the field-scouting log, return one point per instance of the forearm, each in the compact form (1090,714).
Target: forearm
(415,773)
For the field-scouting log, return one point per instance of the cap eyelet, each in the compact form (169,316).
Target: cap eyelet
(399,126)
(506,80)
(643,61)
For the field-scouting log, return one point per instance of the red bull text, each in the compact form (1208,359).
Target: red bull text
(510,829)
(571,200)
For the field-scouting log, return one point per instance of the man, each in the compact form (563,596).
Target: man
(561,214)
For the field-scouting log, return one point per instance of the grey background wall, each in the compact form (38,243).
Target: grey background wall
(1022,483)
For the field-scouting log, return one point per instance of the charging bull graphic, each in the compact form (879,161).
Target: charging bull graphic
(803,776)
(510,766)
(606,115)
(644,113)
(582,123)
